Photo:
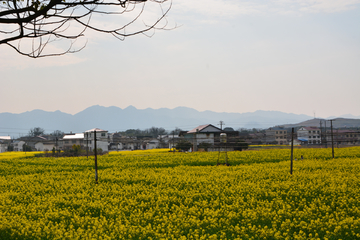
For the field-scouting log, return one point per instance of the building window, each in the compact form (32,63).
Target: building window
(103,134)
(66,142)
(73,141)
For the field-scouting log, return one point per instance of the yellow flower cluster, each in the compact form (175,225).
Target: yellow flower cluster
(163,195)
(11,155)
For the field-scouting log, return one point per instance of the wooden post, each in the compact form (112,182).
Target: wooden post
(87,146)
(95,153)
(332,139)
(325,135)
(292,150)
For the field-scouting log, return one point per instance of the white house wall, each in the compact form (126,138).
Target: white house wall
(41,147)
(3,147)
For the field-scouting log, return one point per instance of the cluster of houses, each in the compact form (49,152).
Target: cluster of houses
(203,134)
(311,135)
(115,141)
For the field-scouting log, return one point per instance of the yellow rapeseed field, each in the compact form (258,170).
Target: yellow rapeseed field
(163,195)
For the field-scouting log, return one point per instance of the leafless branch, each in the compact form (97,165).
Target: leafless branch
(42,22)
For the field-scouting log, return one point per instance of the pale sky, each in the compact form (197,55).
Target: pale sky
(294,56)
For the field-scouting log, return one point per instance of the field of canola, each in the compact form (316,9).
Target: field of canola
(162,195)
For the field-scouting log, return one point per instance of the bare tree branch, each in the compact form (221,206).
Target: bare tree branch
(44,22)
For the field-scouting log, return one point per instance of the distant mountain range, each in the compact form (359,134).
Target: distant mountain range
(318,122)
(116,119)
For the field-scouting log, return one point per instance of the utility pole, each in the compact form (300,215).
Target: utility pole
(173,140)
(56,145)
(221,123)
(325,135)
(87,146)
(292,150)
(96,172)
(332,138)
(321,135)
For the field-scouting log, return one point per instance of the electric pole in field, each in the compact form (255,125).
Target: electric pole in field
(321,133)
(325,135)
(221,123)
(292,150)
(332,138)
(95,153)
(87,146)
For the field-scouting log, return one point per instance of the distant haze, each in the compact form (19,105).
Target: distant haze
(116,119)
(299,57)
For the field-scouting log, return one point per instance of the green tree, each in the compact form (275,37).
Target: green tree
(36,131)
(154,131)
(57,133)
(204,145)
(183,145)
(10,148)
(176,131)
(27,148)
(76,149)
(240,145)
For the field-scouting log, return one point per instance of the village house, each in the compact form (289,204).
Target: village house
(45,145)
(169,140)
(101,139)
(4,143)
(71,139)
(38,143)
(150,144)
(276,135)
(18,145)
(310,135)
(344,137)
(210,135)
(202,134)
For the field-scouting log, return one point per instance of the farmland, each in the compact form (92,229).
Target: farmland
(162,195)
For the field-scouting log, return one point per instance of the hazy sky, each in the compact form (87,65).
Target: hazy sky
(295,56)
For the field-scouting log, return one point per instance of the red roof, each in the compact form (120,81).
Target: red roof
(202,127)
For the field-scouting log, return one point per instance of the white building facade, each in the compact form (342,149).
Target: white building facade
(312,135)
(101,139)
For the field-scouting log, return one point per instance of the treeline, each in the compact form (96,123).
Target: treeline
(150,132)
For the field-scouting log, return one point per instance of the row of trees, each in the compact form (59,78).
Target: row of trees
(185,145)
(38,131)
(151,132)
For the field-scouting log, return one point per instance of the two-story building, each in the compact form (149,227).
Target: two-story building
(71,139)
(101,139)
(311,135)
(4,143)
(18,146)
(202,134)
(343,136)
(276,135)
